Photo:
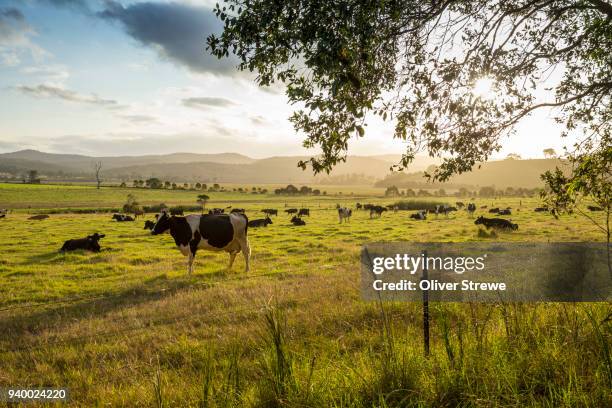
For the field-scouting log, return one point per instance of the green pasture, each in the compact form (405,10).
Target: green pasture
(128,327)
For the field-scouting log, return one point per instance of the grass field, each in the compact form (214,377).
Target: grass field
(128,327)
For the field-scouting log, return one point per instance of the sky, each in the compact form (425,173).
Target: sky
(133,77)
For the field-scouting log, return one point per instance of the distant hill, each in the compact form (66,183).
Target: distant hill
(501,174)
(269,170)
(237,168)
(82,164)
(223,167)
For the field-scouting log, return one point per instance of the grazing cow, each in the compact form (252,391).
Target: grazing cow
(39,217)
(216,232)
(216,211)
(494,210)
(460,204)
(505,212)
(304,211)
(269,211)
(344,214)
(368,206)
(496,223)
(262,222)
(149,224)
(237,211)
(421,215)
(291,211)
(176,211)
(377,210)
(483,207)
(89,243)
(358,206)
(594,208)
(297,221)
(471,209)
(138,213)
(540,209)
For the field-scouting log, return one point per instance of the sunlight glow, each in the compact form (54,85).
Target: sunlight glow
(483,87)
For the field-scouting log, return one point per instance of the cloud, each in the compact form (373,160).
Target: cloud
(53,75)
(15,38)
(12,13)
(48,91)
(139,119)
(176,31)
(202,102)
(258,120)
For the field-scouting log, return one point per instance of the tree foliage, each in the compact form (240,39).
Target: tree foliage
(416,63)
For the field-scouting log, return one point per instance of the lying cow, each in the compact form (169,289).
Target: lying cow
(344,214)
(89,243)
(39,217)
(494,210)
(297,221)
(216,232)
(421,215)
(505,212)
(594,208)
(237,211)
(262,222)
(540,209)
(216,211)
(148,225)
(269,211)
(496,223)
(122,217)
(304,211)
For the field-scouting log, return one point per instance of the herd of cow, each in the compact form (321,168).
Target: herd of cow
(219,231)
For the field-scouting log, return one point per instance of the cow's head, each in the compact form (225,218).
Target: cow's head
(267,221)
(479,220)
(96,237)
(162,225)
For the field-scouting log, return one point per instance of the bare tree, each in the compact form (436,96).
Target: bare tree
(97,166)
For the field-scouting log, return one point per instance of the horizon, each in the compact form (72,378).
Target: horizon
(118,90)
(375,155)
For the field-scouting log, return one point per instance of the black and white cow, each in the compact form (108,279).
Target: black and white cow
(471,208)
(344,214)
(237,210)
(215,232)
(89,243)
(377,210)
(149,224)
(421,215)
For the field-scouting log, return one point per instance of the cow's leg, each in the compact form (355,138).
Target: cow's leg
(190,262)
(232,257)
(246,251)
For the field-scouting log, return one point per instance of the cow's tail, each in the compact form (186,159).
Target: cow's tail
(246,225)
